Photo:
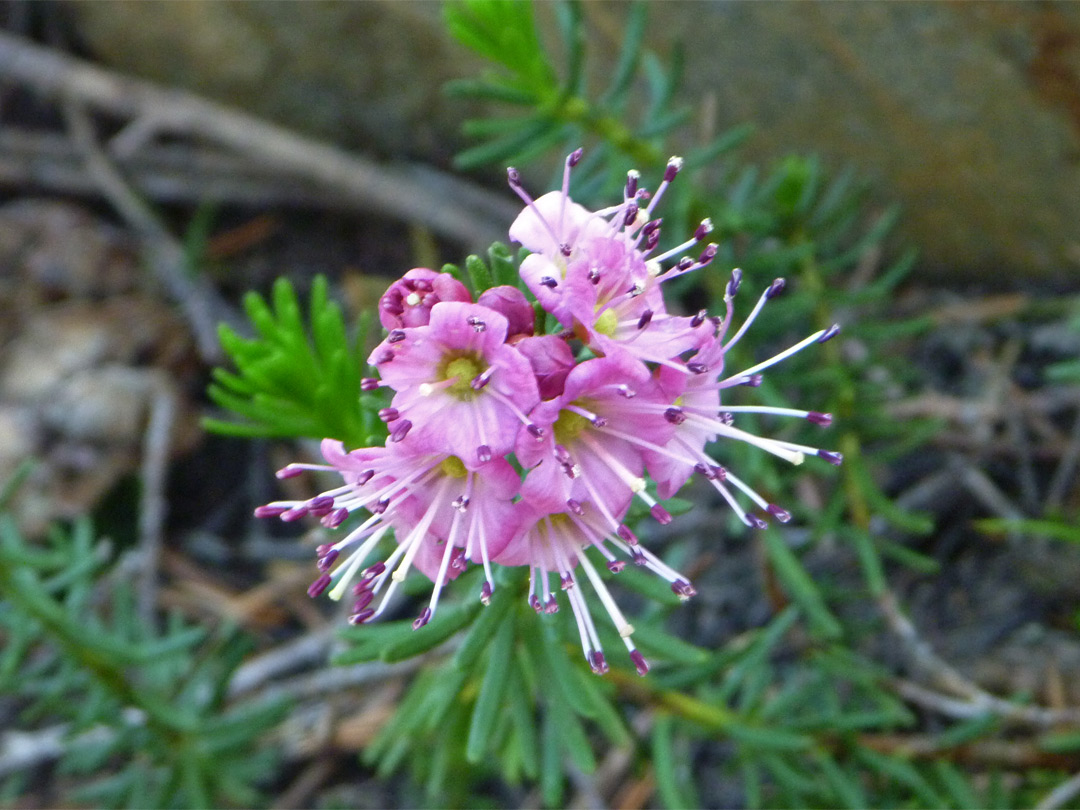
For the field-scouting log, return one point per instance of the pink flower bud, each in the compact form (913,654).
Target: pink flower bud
(408,301)
(511,302)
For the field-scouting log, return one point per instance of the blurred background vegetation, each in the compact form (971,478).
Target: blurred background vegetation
(909,639)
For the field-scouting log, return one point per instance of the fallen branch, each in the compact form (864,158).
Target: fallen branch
(458,210)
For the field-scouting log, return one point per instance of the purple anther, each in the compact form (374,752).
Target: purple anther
(535,431)
(683,589)
(326,562)
(598,421)
(379,506)
(551,606)
(593,275)
(829,333)
(385,356)
(364,477)
(675,415)
(290,471)
(696,368)
(483,454)
(624,532)
(630,215)
(363,586)
(335,518)
(651,226)
(565,249)
(422,619)
(363,599)
(423,285)
(368,384)
(823,419)
(318,586)
(534,603)
(481,379)
(566,581)
(833,458)
(660,514)
(562,455)
(640,663)
(400,430)
(637,556)
(389,414)
(753,381)
(699,319)
(270,510)
(616,566)
(626,391)
(632,177)
(684,264)
(297,512)
(733,285)
(461,503)
(778,512)
(377,569)
(477,324)
(597,662)
(513,176)
(574,157)
(704,229)
(395,336)
(391,306)
(775,289)
(549,282)
(719,473)
(645,319)
(756,522)
(708,254)
(651,241)
(704,469)
(485,593)
(575,507)
(457,560)
(726,418)
(673,165)
(362,616)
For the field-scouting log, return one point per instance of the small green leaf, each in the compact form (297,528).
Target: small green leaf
(490,699)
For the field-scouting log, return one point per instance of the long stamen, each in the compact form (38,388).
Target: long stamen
(772,292)
(621,624)
(802,344)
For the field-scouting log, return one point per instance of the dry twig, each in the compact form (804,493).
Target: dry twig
(451,207)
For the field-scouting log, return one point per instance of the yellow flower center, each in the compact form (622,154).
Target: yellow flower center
(465,368)
(453,467)
(606,323)
(568,426)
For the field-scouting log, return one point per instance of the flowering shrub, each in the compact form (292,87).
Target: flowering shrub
(508,446)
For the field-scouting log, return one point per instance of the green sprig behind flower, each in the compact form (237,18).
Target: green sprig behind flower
(294,379)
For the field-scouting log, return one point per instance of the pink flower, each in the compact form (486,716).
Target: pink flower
(442,514)
(460,388)
(409,300)
(554,541)
(596,273)
(590,449)
(693,406)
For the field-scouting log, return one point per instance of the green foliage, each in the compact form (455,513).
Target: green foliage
(295,379)
(554,110)
(143,715)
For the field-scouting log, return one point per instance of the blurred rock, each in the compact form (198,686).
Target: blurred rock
(84,354)
(361,74)
(967,113)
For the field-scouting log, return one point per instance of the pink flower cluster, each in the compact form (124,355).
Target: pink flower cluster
(508,447)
